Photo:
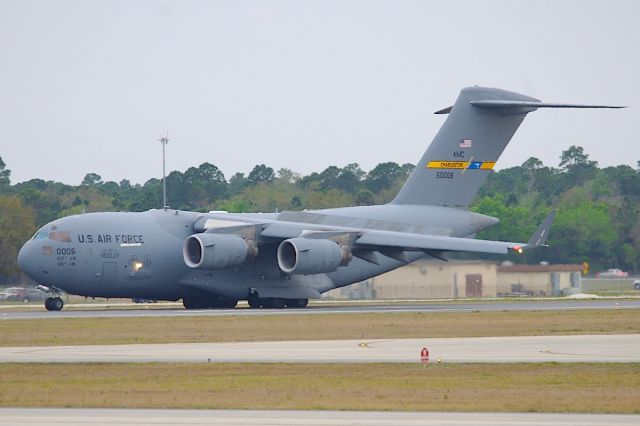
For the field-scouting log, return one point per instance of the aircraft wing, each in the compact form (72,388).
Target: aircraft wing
(412,242)
(404,241)
(382,240)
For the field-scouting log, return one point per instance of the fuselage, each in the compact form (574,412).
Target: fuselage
(139,255)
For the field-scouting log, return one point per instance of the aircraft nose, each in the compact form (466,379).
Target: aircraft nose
(26,259)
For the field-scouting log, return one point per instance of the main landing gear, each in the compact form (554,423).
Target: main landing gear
(255,302)
(197,301)
(191,302)
(53,303)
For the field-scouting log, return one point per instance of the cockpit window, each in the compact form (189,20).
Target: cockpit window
(62,236)
(40,235)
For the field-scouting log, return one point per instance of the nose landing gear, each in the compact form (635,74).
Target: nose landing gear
(54,301)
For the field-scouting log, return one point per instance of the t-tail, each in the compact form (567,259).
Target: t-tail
(479,126)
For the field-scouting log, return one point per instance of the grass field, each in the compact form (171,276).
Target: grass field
(87,331)
(602,388)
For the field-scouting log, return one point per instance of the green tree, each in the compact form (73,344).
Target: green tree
(91,179)
(237,183)
(577,165)
(583,231)
(287,175)
(383,176)
(329,178)
(5,174)
(350,178)
(17,224)
(364,197)
(260,173)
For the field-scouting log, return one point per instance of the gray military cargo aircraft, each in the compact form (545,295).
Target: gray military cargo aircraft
(273,260)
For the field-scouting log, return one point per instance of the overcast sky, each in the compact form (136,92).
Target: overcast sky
(89,86)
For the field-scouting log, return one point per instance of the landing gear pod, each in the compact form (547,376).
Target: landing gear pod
(216,251)
(311,256)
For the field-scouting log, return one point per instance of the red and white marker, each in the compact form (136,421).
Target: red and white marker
(424,356)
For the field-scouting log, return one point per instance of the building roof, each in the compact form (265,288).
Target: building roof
(539,268)
(502,268)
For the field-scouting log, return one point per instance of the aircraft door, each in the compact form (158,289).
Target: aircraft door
(109,273)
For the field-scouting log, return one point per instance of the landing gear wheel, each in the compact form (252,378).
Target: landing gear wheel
(53,304)
(191,303)
(254,300)
(57,304)
(273,303)
(297,303)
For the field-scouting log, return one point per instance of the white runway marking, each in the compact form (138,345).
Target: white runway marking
(585,348)
(70,416)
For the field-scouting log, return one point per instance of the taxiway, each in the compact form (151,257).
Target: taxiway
(576,348)
(150,311)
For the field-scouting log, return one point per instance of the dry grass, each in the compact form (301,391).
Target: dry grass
(88,331)
(603,388)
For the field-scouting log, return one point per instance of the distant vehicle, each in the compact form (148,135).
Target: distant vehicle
(21,294)
(612,273)
(636,284)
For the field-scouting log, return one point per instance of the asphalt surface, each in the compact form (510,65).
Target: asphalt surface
(71,416)
(579,348)
(150,311)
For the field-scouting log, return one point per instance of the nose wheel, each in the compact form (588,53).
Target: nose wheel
(53,303)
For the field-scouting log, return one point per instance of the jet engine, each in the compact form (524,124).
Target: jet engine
(309,256)
(217,251)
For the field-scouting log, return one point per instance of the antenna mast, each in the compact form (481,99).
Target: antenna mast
(164,141)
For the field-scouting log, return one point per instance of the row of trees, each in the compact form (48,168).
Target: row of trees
(598,208)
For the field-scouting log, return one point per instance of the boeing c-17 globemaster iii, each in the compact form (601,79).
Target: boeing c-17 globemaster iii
(273,260)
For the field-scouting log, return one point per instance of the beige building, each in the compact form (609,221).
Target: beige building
(539,280)
(443,280)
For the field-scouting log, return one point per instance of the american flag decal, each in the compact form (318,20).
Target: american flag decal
(465,143)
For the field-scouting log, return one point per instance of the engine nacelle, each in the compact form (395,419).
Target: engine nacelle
(310,256)
(216,251)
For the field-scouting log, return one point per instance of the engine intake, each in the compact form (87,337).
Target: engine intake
(311,256)
(216,251)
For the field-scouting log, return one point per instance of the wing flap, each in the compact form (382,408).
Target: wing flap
(417,242)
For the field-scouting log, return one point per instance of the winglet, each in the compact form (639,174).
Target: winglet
(539,238)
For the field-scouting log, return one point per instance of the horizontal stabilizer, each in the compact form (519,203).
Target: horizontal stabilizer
(524,105)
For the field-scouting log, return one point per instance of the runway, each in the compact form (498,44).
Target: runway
(72,416)
(585,348)
(343,308)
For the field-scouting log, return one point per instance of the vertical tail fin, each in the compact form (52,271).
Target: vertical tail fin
(463,153)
